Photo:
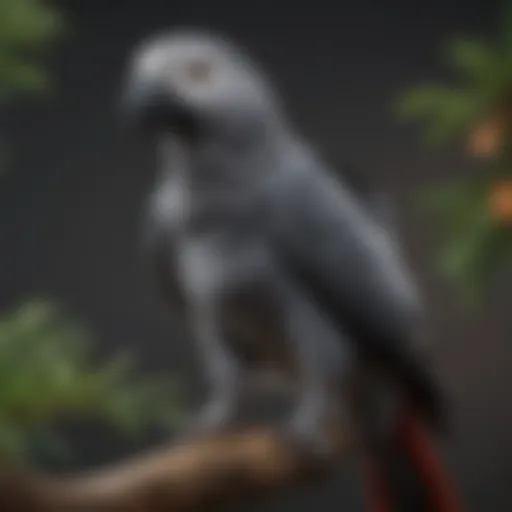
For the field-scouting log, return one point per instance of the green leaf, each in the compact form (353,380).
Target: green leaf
(463,250)
(422,101)
(482,83)
(476,60)
(13,442)
(495,255)
(47,375)
(454,206)
(19,76)
(445,112)
(461,255)
(27,24)
(440,199)
(26,27)
(476,251)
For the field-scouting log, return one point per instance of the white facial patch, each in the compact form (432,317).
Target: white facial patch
(151,62)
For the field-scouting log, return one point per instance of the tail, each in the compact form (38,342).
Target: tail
(409,474)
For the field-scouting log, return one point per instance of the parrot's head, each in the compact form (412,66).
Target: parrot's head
(195,84)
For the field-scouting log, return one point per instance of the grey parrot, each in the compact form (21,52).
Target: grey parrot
(274,261)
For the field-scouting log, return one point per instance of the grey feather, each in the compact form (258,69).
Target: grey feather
(274,259)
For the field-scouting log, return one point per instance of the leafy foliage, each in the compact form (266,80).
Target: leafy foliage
(477,242)
(47,373)
(475,245)
(446,112)
(483,76)
(26,29)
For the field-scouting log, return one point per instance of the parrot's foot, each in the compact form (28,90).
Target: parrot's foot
(214,417)
(308,428)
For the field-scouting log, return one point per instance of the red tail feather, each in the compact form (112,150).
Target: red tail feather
(416,441)
(378,499)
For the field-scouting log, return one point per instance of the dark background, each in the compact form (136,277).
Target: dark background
(71,201)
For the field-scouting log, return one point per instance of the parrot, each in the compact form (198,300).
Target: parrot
(276,262)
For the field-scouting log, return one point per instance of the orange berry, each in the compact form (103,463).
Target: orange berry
(487,139)
(500,201)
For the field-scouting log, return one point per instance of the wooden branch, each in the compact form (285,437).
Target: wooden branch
(203,475)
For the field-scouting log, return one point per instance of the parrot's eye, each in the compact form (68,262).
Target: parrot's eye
(199,70)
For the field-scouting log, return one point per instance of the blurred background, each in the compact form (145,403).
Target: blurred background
(353,76)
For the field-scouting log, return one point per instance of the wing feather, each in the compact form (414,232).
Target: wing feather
(347,262)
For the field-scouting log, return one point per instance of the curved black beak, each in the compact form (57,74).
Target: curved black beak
(155,108)
(148,105)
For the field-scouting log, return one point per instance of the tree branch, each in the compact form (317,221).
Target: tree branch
(203,475)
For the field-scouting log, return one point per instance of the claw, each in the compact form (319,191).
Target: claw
(214,417)
(308,429)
